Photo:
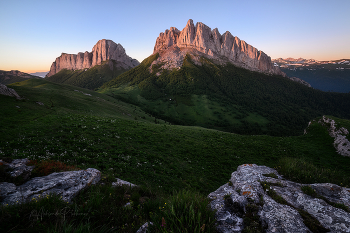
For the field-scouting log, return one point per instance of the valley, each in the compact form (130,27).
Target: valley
(110,135)
(331,76)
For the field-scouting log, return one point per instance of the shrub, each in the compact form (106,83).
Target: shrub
(46,167)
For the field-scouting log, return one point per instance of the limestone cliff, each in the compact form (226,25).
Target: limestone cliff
(173,45)
(102,51)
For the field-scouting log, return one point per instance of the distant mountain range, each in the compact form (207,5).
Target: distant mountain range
(291,62)
(323,75)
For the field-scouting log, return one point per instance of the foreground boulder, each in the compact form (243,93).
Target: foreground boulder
(259,199)
(65,184)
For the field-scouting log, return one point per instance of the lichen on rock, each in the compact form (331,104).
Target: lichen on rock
(289,209)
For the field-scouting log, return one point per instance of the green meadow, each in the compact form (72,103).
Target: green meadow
(83,128)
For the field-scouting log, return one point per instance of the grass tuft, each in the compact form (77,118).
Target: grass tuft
(304,171)
(185,211)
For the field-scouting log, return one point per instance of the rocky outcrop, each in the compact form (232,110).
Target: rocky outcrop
(298,80)
(18,167)
(102,51)
(341,143)
(65,184)
(123,182)
(279,204)
(201,40)
(4,90)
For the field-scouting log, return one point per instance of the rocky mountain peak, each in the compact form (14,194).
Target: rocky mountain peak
(102,51)
(200,40)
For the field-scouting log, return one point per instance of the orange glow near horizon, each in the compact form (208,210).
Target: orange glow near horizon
(27,71)
(34,71)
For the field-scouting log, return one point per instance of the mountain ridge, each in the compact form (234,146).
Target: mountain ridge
(173,45)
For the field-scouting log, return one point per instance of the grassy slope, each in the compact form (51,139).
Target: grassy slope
(226,98)
(8,79)
(91,78)
(97,131)
(93,132)
(58,100)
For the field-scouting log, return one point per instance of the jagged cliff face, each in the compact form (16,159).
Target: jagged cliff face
(200,40)
(102,51)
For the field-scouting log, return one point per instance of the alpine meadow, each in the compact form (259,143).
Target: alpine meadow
(184,125)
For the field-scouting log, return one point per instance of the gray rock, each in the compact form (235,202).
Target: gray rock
(341,143)
(281,218)
(228,220)
(7,189)
(123,182)
(298,80)
(144,227)
(18,167)
(333,193)
(4,90)
(65,184)
(275,217)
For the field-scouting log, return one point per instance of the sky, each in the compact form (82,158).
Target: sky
(34,32)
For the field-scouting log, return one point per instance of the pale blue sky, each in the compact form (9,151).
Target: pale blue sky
(34,32)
